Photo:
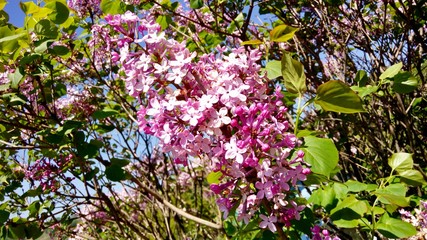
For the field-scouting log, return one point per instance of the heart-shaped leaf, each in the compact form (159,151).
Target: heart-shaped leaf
(336,96)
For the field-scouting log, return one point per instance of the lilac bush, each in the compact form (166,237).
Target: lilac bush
(212,119)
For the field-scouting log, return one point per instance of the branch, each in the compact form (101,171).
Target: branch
(174,208)
(13,146)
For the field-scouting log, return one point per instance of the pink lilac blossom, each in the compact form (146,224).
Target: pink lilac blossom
(268,222)
(418,220)
(90,213)
(217,108)
(75,103)
(131,2)
(100,46)
(322,234)
(4,76)
(85,8)
(46,172)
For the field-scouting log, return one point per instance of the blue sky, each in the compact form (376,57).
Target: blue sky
(16,15)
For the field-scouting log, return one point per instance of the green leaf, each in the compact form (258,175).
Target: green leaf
(17,232)
(321,154)
(112,7)
(391,71)
(54,138)
(340,190)
(69,126)
(4,17)
(102,128)
(60,12)
(342,223)
(164,21)
(29,7)
(353,208)
(34,208)
(361,78)
(324,197)
(306,132)
(315,178)
(273,69)
(251,42)
(47,29)
(106,112)
(213,177)
(378,211)
(395,228)
(33,231)
(336,96)
(60,89)
(32,10)
(60,50)
(404,82)
(364,91)
(120,162)
(12,37)
(305,222)
(371,187)
(91,174)
(29,59)
(15,79)
(4,216)
(393,194)
(9,39)
(397,189)
(42,13)
(293,74)
(33,192)
(208,39)
(401,162)
(16,100)
(236,23)
(196,4)
(267,235)
(251,226)
(116,173)
(87,150)
(2,4)
(43,46)
(229,228)
(355,186)
(393,199)
(412,177)
(348,212)
(282,33)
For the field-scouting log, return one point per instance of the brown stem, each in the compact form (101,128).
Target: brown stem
(174,208)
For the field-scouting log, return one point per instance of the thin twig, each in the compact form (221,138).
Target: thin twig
(174,208)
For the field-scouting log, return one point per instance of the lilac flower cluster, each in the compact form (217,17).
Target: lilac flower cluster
(46,172)
(84,8)
(4,76)
(75,103)
(215,108)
